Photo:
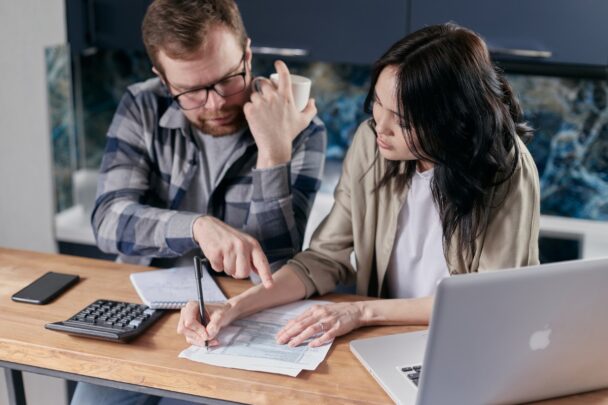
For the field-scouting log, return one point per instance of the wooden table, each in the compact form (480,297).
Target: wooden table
(150,363)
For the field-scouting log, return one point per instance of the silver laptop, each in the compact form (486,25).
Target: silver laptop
(502,337)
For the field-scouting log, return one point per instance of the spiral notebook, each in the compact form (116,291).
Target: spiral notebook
(173,288)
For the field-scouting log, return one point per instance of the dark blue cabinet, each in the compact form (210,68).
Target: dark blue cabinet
(354,31)
(105,24)
(554,31)
(114,23)
(358,31)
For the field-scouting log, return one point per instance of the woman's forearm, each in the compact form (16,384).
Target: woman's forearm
(286,288)
(413,311)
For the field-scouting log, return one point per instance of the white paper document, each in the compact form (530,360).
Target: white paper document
(250,344)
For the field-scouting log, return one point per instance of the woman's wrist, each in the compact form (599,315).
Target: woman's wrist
(238,306)
(365,313)
(413,311)
(248,302)
(287,288)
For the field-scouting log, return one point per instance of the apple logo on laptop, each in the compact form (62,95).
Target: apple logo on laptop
(540,339)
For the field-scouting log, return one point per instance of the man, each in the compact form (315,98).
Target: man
(193,159)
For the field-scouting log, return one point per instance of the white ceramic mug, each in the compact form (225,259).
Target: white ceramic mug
(300,87)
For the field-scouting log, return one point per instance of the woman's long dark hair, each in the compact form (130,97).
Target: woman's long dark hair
(462,113)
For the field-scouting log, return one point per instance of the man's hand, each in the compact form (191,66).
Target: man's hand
(231,251)
(274,120)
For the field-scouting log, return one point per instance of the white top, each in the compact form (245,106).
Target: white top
(417,261)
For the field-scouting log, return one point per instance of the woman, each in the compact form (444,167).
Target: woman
(438,183)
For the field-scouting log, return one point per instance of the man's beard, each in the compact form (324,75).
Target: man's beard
(237,121)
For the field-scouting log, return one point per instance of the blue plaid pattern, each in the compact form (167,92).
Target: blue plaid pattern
(150,160)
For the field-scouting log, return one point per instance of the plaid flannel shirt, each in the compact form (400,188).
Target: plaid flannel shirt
(150,160)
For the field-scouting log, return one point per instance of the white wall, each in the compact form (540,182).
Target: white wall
(26,192)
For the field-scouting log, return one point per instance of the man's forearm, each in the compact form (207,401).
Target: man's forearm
(272,218)
(126,227)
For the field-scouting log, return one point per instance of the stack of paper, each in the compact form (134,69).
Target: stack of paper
(173,288)
(249,344)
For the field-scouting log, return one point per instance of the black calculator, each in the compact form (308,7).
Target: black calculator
(109,320)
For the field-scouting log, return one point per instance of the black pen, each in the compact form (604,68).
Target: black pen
(199,290)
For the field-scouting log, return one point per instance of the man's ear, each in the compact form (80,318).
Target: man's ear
(159,75)
(248,54)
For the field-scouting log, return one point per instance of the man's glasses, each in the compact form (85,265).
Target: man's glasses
(226,87)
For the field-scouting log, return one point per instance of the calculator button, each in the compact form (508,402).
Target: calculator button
(135,322)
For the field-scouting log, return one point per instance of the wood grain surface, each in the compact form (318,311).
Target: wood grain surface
(151,360)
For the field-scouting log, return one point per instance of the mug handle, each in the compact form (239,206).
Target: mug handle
(256,83)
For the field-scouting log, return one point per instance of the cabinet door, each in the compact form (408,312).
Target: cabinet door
(117,23)
(355,31)
(105,24)
(561,31)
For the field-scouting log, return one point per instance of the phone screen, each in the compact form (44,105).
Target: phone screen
(45,288)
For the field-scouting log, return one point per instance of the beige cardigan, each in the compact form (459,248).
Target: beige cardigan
(365,222)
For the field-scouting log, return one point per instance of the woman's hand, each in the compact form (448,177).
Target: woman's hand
(328,321)
(194,332)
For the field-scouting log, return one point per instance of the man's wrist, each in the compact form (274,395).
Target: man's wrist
(266,161)
(198,228)
(271,183)
(179,232)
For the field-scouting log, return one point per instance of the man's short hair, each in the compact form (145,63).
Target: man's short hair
(180,27)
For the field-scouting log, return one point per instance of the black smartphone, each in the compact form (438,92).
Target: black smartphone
(46,288)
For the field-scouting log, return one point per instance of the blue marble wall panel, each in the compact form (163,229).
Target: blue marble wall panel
(570,117)
(104,78)
(61,118)
(570,146)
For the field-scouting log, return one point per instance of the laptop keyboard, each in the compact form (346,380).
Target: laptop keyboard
(412,373)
